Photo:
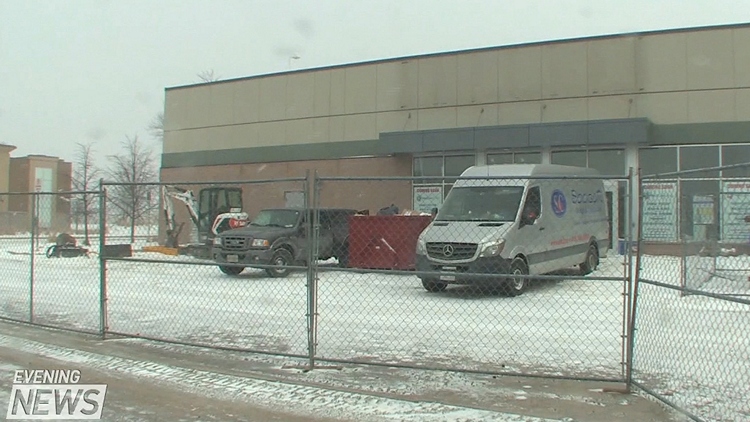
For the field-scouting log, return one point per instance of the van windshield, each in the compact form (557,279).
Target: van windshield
(481,203)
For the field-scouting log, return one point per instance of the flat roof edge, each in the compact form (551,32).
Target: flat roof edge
(472,50)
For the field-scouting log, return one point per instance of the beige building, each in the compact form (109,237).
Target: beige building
(661,102)
(36,173)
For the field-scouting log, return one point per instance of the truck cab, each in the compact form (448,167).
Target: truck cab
(279,238)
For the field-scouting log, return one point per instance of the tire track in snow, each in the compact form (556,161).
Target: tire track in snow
(297,399)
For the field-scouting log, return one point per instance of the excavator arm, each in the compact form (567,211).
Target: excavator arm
(221,220)
(169,193)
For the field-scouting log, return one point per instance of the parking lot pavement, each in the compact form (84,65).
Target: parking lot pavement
(151,381)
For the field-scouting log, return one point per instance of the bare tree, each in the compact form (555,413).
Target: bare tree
(85,175)
(134,170)
(156,127)
(208,76)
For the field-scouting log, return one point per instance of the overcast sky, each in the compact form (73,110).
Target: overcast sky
(95,70)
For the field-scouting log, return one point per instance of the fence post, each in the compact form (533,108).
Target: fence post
(310,229)
(628,271)
(316,273)
(683,265)
(103,328)
(32,257)
(635,282)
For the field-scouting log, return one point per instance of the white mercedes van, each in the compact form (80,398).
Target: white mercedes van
(515,219)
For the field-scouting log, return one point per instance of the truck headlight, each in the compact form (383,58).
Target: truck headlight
(260,243)
(493,248)
(421,246)
(217,241)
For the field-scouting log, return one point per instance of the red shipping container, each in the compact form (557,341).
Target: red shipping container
(385,241)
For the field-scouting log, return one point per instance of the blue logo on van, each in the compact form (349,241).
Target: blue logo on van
(559,203)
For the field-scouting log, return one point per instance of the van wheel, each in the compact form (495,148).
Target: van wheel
(591,262)
(231,270)
(516,285)
(281,261)
(434,286)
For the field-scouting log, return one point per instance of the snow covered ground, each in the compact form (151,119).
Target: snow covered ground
(295,399)
(556,328)
(693,349)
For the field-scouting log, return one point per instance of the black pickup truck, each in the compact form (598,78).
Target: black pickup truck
(279,238)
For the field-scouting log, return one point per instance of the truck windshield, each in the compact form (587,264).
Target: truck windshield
(481,203)
(276,218)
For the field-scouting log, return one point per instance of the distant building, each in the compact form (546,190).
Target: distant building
(5,151)
(33,173)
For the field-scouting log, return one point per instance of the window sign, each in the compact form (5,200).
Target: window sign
(735,206)
(703,215)
(703,209)
(660,208)
(427,197)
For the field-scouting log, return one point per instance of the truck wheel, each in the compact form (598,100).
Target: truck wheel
(231,270)
(433,286)
(515,285)
(589,265)
(281,261)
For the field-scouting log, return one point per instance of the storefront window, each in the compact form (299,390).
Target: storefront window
(734,155)
(527,158)
(506,158)
(515,158)
(699,157)
(699,202)
(569,158)
(429,193)
(456,164)
(657,160)
(609,162)
(428,166)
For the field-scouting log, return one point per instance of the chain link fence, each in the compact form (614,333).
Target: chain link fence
(183,288)
(527,275)
(513,275)
(692,343)
(18,248)
(50,276)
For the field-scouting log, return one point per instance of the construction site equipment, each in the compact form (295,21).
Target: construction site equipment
(216,210)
